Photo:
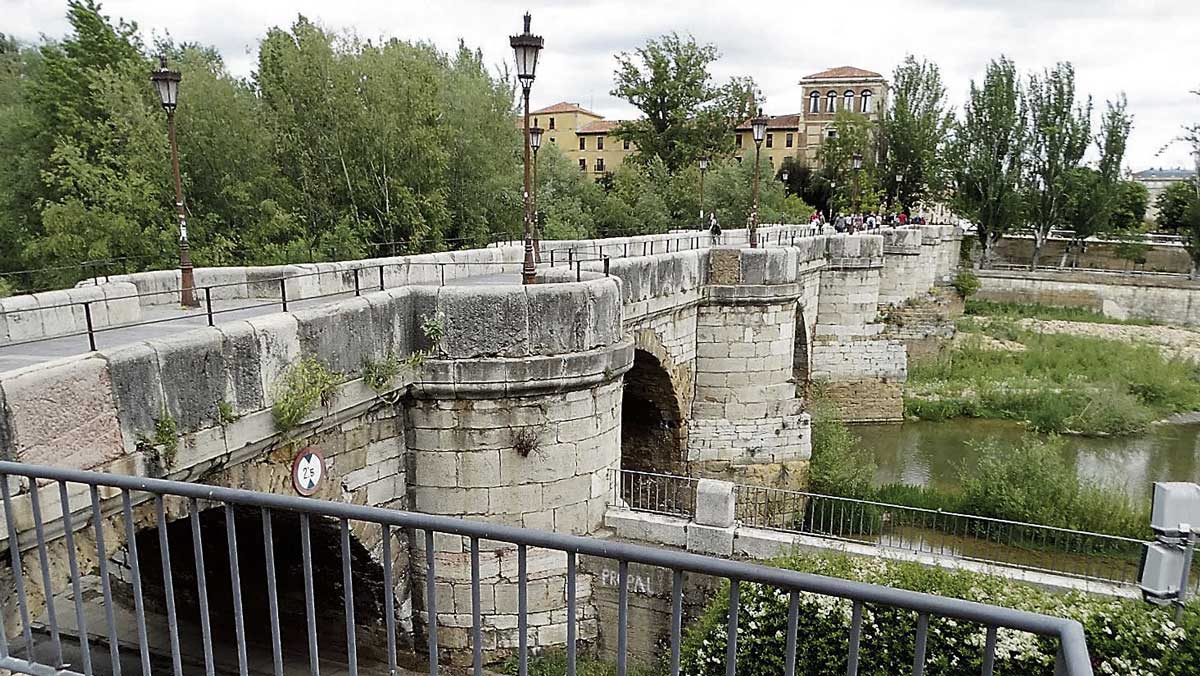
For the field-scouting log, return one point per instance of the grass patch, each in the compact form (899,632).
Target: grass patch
(987,308)
(1058,383)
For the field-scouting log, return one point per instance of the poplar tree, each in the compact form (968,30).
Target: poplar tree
(915,129)
(986,151)
(1060,130)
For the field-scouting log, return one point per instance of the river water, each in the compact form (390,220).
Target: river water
(932,453)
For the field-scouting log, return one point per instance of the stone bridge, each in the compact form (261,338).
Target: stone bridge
(494,401)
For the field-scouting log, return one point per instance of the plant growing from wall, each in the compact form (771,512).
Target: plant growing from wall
(965,284)
(527,440)
(307,384)
(225,413)
(165,442)
(433,326)
(379,373)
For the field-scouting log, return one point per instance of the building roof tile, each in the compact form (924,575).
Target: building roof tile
(789,121)
(844,72)
(599,126)
(564,107)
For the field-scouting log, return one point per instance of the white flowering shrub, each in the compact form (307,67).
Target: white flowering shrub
(1124,637)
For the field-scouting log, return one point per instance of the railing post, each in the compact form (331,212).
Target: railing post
(442,272)
(570,258)
(552,258)
(283,293)
(381,276)
(579,271)
(357,291)
(606,262)
(87,317)
(208,304)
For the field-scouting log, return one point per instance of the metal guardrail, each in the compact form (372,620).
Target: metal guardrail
(366,279)
(1014,544)
(1024,267)
(117,494)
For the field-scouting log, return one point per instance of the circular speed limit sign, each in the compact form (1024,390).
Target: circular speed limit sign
(308,470)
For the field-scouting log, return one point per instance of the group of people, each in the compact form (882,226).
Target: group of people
(852,223)
(847,223)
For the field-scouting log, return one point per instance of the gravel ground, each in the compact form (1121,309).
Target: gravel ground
(1170,340)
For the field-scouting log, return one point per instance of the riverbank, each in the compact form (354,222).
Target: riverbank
(1074,376)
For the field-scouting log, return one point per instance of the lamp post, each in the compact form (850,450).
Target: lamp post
(535,142)
(526,47)
(703,168)
(759,127)
(784,177)
(832,194)
(166,84)
(857,168)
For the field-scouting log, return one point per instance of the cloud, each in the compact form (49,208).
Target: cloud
(1144,48)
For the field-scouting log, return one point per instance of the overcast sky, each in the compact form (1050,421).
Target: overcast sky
(1149,49)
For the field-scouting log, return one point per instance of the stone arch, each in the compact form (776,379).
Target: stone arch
(328,588)
(653,427)
(801,354)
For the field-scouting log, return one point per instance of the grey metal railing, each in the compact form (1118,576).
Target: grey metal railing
(665,494)
(1047,549)
(101,498)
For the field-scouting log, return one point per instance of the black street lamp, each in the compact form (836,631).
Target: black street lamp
(703,168)
(784,177)
(166,84)
(535,142)
(526,47)
(759,128)
(899,182)
(857,168)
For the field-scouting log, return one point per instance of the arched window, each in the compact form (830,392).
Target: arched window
(814,102)
(831,104)
(866,100)
(849,100)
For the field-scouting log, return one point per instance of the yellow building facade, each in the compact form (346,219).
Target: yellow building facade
(587,139)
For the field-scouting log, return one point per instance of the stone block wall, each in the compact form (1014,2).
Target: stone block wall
(901,258)
(468,459)
(1168,300)
(858,370)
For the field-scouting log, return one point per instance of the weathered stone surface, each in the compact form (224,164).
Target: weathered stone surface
(710,540)
(714,503)
(192,368)
(137,387)
(339,339)
(243,367)
(484,321)
(63,413)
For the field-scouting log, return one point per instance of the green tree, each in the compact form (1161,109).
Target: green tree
(566,198)
(1094,195)
(987,151)
(852,134)
(1179,210)
(1129,214)
(914,133)
(684,114)
(1059,132)
(731,196)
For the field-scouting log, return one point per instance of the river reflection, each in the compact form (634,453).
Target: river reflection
(933,453)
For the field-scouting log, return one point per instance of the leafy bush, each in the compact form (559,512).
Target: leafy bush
(1124,637)
(554,663)
(1031,482)
(839,464)
(6,288)
(965,284)
(308,383)
(379,373)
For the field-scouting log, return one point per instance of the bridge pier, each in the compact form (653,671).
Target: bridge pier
(747,418)
(861,372)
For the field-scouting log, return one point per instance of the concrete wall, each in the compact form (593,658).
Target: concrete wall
(1159,257)
(1170,300)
